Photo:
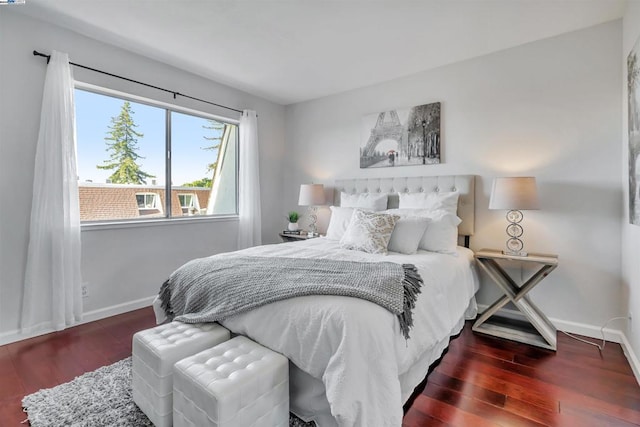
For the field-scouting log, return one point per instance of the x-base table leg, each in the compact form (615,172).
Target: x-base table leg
(546,332)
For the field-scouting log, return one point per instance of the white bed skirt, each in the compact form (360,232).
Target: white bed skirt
(308,399)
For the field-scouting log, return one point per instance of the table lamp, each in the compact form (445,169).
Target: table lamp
(311,195)
(514,194)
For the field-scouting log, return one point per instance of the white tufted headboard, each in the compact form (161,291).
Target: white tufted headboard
(464,184)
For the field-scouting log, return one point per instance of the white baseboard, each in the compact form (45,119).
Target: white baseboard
(102,313)
(591,331)
(90,316)
(631,357)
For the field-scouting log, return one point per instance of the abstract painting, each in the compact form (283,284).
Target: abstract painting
(403,137)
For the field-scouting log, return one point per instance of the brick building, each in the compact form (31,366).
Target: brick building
(99,202)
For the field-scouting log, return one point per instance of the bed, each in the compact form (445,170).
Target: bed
(350,363)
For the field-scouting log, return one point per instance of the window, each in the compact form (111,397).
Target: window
(149,205)
(140,160)
(147,201)
(189,204)
(186,200)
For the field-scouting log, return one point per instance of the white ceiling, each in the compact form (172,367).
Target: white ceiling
(290,51)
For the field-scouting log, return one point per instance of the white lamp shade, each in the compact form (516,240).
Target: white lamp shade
(518,193)
(311,195)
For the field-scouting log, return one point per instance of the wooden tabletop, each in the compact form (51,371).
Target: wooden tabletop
(532,257)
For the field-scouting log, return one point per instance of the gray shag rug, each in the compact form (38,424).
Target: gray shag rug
(101,398)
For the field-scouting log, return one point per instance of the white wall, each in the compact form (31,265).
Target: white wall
(127,264)
(630,233)
(549,109)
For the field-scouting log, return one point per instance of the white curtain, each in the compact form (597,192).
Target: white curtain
(250,225)
(52,297)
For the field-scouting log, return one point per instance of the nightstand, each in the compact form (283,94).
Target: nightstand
(295,237)
(538,331)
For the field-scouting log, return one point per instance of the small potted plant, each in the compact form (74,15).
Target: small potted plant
(293,218)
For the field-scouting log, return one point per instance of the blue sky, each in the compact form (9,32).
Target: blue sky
(93,118)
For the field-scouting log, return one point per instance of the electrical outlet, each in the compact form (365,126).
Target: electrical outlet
(85,291)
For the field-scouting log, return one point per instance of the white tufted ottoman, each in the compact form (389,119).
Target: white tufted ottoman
(155,351)
(238,383)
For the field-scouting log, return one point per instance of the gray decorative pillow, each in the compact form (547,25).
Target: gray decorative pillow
(369,232)
(407,235)
(441,234)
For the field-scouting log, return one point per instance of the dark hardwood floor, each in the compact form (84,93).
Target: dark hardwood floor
(481,381)
(485,381)
(30,365)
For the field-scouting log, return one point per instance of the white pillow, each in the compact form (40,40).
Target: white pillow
(369,232)
(339,221)
(407,234)
(447,201)
(370,201)
(441,234)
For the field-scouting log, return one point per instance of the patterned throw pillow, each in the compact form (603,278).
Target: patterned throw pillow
(369,232)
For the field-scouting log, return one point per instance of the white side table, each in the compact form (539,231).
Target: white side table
(539,331)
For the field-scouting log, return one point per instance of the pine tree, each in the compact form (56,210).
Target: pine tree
(122,142)
(218,129)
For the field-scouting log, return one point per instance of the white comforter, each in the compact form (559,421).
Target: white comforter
(355,347)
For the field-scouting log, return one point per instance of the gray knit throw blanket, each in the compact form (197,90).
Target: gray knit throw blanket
(212,289)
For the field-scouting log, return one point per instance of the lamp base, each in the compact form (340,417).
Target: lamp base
(515,253)
(514,230)
(312,221)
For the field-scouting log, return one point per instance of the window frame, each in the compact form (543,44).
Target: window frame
(157,206)
(166,209)
(190,205)
(195,203)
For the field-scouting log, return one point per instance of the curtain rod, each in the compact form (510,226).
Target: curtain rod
(36,53)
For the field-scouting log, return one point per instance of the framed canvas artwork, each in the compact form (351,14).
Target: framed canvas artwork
(403,137)
(633,83)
